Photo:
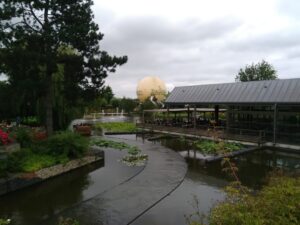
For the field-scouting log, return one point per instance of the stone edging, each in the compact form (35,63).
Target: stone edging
(23,180)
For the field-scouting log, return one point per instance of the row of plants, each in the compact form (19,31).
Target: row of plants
(37,154)
(134,156)
(116,127)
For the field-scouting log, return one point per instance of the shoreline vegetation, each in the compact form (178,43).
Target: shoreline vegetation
(277,203)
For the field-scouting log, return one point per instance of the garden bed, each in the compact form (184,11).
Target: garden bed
(22,180)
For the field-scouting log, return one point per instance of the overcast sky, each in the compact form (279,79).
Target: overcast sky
(186,42)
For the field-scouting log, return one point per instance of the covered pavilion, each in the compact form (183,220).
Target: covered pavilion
(268,109)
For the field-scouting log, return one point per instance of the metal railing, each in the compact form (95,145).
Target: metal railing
(256,136)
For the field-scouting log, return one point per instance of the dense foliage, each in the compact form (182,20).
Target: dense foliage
(4,222)
(212,147)
(116,127)
(59,148)
(260,71)
(50,52)
(278,203)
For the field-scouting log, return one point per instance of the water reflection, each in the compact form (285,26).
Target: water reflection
(43,200)
(206,182)
(252,168)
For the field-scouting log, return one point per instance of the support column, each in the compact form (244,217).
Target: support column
(168,116)
(195,119)
(274,124)
(188,113)
(227,116)
(217,114)
(143,117)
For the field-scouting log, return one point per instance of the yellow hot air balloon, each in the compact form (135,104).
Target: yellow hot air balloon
(151,87)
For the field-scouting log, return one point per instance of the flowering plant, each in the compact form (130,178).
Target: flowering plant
(4,138)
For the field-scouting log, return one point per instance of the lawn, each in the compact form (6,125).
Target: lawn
(116,127)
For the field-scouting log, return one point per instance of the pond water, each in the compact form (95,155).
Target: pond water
(202,182)
(33,204)
(203,185)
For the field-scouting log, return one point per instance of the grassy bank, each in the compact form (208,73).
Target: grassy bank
(116,127)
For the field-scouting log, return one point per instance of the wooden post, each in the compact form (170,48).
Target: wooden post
(274,124)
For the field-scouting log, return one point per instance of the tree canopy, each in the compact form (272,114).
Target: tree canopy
(260,71)
(32,36)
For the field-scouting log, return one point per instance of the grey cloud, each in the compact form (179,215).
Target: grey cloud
(193,52)
(284,39)
(152,31)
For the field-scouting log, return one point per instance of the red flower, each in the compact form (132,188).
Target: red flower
(4,138)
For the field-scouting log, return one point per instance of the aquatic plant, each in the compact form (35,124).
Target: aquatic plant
(134,157)
(67,221)
(215,147)
(135,160)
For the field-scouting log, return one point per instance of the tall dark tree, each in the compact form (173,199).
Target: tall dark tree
(50,24)
(260,71)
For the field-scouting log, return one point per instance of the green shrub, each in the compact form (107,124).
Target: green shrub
(116,127)
(27,161)
(278,203)
(23,136)
(66,143)
(4,222)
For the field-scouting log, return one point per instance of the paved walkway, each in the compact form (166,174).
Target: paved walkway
(164,172)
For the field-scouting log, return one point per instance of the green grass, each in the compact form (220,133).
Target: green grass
(116,127)
(212,147)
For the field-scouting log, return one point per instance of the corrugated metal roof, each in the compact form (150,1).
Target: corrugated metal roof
(269,91)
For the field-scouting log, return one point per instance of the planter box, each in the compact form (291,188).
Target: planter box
(83,130)
(23,180)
